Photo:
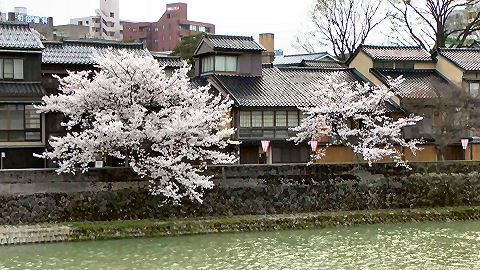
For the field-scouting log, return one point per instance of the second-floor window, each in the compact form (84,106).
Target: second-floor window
(281,119)
(11,69)
(193,27)
(225,63)
(222,63)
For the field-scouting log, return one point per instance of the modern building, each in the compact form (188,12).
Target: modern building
(105,24)
(43,25)
(167,32)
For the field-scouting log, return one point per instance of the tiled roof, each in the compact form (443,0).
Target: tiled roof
(81,52)
(397,53)
(21,89)
(284,86)
(467,59)
(420,83)
(222,42)
(296,59)
(169,61)
(321,64)
(18,36)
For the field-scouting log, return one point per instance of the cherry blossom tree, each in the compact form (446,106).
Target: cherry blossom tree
(353,114)
(163,127)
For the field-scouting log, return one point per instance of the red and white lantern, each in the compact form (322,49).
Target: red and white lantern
(314,145)
(265,145)
(464,143)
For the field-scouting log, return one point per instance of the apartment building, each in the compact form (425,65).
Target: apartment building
(105,24)
(167,32)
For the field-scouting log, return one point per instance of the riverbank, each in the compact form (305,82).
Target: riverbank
(82,231)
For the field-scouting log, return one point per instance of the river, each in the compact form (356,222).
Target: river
(451,245)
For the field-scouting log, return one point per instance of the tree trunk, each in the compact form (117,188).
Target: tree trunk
(440,153)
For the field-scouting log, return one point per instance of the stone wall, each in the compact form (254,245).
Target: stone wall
(37,196)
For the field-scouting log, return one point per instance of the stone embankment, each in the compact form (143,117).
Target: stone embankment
(82,231)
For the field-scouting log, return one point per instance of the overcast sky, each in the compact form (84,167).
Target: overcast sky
(284,18)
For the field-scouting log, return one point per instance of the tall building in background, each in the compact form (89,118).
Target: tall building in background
(106,23)
(167,32)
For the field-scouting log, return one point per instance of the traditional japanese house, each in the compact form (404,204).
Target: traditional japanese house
(266,98)
(22,129)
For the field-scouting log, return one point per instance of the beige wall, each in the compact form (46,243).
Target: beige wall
(449,70)
(424,65)
(475,149)
(363,63)
(338,154)
(427,154)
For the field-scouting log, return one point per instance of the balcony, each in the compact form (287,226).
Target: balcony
(264,133)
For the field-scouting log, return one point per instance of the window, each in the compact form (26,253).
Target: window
(281,117)
(201,28)
(163,37)
(168,16)
(383,65)
(207,64)
(245,119)
(19,122)
(404,65)
(292,118)
(474,87)
(207,29)
(169,26)
(86,22)
(163,26)
(268,117)
(134,30)
(80,23)
(169,37)
(156,29)
(257,119)
(226,63)
(11,69)
(156,41)
(193,27)
(112,14)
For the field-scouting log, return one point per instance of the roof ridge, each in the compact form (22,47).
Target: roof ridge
(458,49)
(10,23)
(228,36)
(389,46)
(300,54)
(314,68)
(408,70)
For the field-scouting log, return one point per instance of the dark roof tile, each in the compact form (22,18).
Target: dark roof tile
(241,43)
(169,61)
(81,52)
(18,36)
(397,53)
(21,89)
(467,59)
(417,83)
(296,59)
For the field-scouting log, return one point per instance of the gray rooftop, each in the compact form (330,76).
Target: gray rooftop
(396,53)
(417,84)
(296,59)
(169,61)
(18,36)
(32,90)
(467,59)
(237,43)
(283,86)
(81,52)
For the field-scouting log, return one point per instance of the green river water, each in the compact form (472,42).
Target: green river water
(451,245)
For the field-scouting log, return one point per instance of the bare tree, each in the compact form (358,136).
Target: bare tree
(342,25)
(429,23)
(454,113)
